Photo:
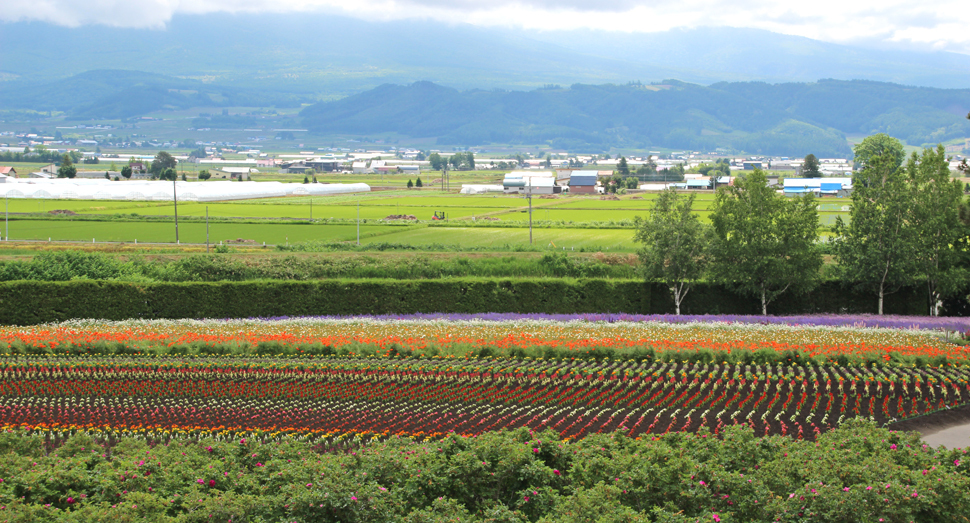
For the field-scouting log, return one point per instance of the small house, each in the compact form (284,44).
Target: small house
(582,184)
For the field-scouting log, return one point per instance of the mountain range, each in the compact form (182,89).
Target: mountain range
(779,119)
(738,89)
(330,56)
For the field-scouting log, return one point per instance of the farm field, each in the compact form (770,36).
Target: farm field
(321,210)
(281,233)
(189,232)
(619,240)
(510,210)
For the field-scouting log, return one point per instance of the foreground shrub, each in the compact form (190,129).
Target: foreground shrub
(855,473)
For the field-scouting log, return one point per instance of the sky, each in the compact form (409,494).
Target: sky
(940,25)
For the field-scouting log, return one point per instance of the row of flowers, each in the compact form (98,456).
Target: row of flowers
(952,324)
(165,396)
(463,337)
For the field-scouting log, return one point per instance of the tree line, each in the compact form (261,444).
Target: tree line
(909,224)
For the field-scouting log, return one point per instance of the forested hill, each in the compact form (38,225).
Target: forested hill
(781,119)
(116,94)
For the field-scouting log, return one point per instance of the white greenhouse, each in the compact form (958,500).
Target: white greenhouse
(97,189)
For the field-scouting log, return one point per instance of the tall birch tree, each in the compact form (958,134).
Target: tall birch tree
(764,243)
(674,244)
(877,249)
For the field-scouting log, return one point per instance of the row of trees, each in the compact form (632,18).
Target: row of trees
(458,161)
(905,227)
(39,154)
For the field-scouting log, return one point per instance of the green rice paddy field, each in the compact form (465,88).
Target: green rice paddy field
(373,207)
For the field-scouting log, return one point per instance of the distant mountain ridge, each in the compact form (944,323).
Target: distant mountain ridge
(119,94)
(782,119)
(330,56)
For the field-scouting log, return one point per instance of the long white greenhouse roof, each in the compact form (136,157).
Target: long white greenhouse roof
(87,189)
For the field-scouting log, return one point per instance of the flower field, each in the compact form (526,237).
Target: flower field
(368,379)
(463,336)
(481,418)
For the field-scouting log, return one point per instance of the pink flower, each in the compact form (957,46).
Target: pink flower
(70,500)
(556,472)
(702,483)
(200,481)
(527,499)
(869,488)
(259,464)
(846,489)
(717,518)
(308,485)
(353,498)
(212,482)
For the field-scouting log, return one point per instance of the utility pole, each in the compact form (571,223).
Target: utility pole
(176,200)
(529,192)
(207,229)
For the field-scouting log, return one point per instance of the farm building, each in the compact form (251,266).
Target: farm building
(162,191)
(656,186)
(238,172)
(323,166)
(519,182)
(820,186)
(98,174)
(582,184)
(563,176)
(479,189)
(294,167)
(8,171)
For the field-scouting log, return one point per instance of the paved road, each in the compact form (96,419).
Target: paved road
(950,427)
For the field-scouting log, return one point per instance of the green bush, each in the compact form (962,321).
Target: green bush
(212,268)
(856,472)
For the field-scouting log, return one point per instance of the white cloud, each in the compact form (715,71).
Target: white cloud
(932,25)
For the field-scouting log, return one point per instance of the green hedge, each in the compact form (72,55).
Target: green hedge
(32,302)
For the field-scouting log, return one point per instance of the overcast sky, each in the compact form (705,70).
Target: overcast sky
(942,24)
